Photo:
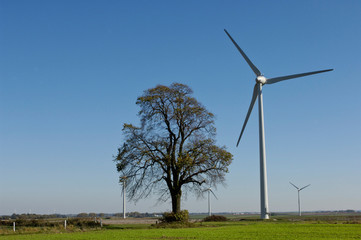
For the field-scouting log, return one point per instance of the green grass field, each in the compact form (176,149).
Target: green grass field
(245,229)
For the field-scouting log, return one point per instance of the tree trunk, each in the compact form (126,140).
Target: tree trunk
(176,202)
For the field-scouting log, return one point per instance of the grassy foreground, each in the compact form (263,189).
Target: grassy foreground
(224,230)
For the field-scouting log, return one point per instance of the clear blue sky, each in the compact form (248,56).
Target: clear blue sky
(70,73)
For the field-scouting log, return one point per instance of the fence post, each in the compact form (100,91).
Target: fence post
(101,223)
(65,224)
(14,226)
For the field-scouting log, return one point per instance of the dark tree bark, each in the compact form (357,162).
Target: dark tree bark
(173,149)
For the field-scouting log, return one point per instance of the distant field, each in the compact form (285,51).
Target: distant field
(295,228)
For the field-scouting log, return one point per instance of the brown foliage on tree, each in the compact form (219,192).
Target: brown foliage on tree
(173,151)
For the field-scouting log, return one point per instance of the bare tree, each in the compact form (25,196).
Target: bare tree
(174,148)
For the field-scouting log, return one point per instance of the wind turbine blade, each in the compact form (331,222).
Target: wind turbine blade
(254,68)
(305,187)
(294,186)
(254,97)
(278,79)
(213,194)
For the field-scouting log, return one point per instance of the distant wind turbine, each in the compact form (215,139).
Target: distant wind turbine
(209,190)
(298,191)
(257,92)
(123,180)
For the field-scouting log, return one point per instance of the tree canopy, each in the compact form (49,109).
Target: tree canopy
(173,150)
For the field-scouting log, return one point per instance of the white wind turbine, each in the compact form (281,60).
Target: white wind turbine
(209,190)
(257,92)
(298,191)
(123,180)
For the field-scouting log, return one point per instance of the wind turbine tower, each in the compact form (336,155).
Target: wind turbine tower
(209,190)
(298,191)
(257,93)
(123,180)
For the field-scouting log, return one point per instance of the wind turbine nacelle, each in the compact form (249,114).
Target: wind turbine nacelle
(261,79)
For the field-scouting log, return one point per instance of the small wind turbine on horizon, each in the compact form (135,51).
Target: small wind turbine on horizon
(209,190)
(257,93)
(298,191)
(123,180)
